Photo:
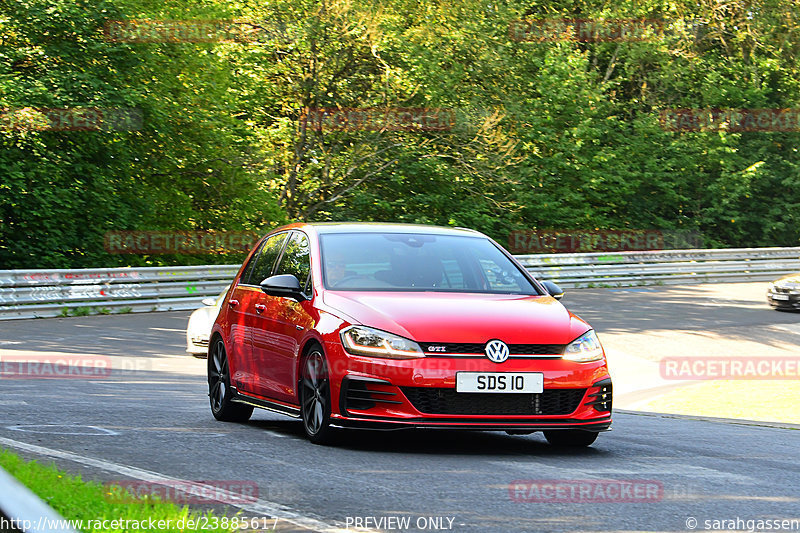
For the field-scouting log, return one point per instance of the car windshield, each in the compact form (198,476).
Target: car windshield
(418,262)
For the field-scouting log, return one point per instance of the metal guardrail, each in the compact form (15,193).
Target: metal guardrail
(48,293)
(663,267)
(21,510)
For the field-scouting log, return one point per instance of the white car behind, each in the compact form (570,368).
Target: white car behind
(201,320)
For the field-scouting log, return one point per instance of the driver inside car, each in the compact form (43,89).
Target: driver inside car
(336,269)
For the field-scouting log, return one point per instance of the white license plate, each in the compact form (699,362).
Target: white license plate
(780,296)
(516,382)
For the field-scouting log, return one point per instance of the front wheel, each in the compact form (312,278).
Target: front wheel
(315,398)
(219,388)
(570,438)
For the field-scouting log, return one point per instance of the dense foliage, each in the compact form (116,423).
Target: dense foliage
(560,133)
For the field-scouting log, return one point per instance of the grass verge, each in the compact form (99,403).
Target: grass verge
(98,505)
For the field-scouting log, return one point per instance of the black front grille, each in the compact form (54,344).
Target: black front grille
(478,348)
(449,402)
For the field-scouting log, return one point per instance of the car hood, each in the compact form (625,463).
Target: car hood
(462,318)
(791,279)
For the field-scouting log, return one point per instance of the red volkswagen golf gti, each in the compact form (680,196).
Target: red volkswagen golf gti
(395,326)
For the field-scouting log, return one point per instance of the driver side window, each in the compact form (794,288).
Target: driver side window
(296,258)
(265,261)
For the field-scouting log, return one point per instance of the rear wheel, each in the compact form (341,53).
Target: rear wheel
(315,397)
(570,438)
(219,388)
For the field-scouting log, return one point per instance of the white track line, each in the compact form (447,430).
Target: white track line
(259,507)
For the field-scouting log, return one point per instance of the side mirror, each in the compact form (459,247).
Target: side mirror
(209,302)
(285,285)
(554,290)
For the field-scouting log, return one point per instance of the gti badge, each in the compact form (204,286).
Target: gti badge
(496,351)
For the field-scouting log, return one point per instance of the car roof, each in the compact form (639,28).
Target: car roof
(326,228)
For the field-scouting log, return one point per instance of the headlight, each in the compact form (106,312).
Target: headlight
(772,287)
(584,349)
(361,340)
(788,289)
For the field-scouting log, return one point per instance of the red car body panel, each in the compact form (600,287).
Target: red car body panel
(459,317)
(266,346)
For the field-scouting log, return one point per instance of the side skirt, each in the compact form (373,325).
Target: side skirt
(287,410)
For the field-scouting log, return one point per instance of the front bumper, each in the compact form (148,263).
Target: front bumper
(197,345)
(392,394)
(785,299)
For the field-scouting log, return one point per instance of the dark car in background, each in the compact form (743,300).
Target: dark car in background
(784,293)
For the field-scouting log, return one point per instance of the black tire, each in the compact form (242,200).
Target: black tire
(570,438)
(219,387)
(315,397)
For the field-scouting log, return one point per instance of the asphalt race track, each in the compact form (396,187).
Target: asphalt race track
(149,419)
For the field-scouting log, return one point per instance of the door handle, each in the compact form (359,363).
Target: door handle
(233,303)
(260,308)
